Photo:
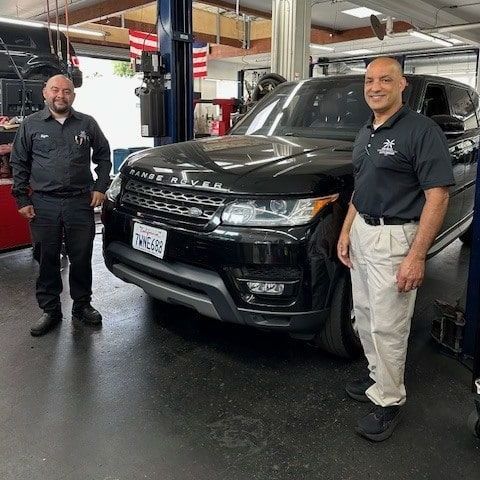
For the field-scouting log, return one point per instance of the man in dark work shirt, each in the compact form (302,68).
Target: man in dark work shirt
(402,171)
(55,190)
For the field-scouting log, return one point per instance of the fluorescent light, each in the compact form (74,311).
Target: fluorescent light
(81,31)
(429,38)
(361,12)
(321,47)
(358,69)
(16,21)
(63,28)
(455,41)
(360,51)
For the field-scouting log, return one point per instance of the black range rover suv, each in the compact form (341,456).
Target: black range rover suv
(243,228)
(29,47)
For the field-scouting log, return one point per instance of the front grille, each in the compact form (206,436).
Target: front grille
(176,204)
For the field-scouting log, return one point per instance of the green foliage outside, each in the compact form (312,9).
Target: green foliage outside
(123,69)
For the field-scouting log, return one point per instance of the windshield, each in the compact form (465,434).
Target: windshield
(333,108)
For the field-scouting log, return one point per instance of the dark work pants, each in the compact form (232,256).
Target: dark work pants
(56,219)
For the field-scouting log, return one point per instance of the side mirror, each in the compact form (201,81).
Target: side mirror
(451,126)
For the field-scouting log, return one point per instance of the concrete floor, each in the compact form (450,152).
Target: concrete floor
(159,393)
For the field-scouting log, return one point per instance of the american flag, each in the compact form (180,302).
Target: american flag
(141,41)
(200,51)
(149,42)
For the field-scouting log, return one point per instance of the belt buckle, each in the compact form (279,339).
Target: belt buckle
(373,221)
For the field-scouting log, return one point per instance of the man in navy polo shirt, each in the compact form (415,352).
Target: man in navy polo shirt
(402,172)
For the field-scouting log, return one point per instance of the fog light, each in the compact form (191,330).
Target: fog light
(266,288)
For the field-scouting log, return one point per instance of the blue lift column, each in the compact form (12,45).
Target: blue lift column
(175,35)
(471,343)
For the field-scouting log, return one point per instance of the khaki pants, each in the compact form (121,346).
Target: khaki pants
(383,315)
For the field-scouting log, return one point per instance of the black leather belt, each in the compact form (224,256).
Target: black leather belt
(375,221)
(74,193)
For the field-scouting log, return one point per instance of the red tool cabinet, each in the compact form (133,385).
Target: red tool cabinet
(14,230)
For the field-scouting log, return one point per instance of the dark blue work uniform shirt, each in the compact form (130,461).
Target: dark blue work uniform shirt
(396,162)
(52,158)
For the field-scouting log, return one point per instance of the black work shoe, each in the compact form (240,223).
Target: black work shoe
(357,389)
(87,314)
(380,423)
(45,323)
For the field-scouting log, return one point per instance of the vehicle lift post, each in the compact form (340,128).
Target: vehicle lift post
(175,36)
(471,342)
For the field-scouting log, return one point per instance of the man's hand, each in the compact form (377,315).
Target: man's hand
(97,199)
(27,212)
(343,249)
(410,273)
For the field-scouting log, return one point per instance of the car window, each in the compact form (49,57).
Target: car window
(462,106)
(435,101)
(330,108)
(476,103)
(16,39)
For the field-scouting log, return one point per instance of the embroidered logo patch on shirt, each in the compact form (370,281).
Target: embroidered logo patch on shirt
(44,135)
(81,138)
(387,148)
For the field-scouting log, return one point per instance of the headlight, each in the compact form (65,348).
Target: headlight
(273,213)
(114,189)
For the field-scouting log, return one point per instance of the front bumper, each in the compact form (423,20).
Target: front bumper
(206,271)
(202,290)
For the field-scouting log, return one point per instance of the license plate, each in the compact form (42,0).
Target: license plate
(149,239)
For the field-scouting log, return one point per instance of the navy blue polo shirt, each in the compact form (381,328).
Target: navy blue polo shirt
(396,162)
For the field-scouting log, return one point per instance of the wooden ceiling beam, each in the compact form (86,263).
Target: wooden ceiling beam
(104,8)
(150,27)
(255,13)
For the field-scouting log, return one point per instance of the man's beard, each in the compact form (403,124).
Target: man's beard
(64,108)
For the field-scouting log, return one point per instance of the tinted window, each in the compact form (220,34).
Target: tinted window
(476,103)
(16,39)
(435,102)
(462,107)
(333,109)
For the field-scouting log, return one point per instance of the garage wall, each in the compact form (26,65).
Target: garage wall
(112,102)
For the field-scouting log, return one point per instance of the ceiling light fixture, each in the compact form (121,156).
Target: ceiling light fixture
(455,41)
(321,47)
(63,28)
(429,38)
(361,12)
(360,51)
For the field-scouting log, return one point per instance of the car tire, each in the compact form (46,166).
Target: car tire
(266,84)
(467,236)
(339,336)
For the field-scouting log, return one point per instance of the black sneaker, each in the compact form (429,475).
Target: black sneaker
(45,323)
(380,423)
(87,314)
(357,389)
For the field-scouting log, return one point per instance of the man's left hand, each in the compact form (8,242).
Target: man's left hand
(97,199)
(410,274)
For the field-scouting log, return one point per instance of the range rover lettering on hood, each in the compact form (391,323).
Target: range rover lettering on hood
(174,180)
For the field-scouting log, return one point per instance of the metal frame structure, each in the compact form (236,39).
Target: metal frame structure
(175,34)
(471,344)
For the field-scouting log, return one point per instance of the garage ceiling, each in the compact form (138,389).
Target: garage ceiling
(326,14)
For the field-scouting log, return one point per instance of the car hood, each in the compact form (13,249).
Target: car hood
(246,164)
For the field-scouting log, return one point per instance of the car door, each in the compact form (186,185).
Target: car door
(463,108)
(435,102)
(472,163)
